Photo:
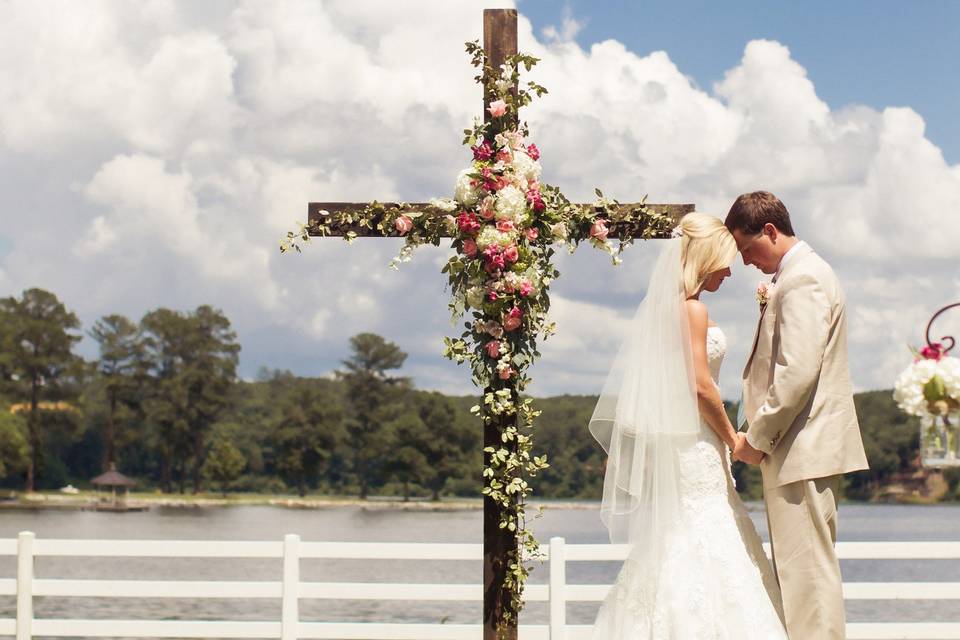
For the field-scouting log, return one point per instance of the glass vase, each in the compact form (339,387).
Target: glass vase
(939,441)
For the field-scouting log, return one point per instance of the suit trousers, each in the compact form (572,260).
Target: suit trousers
(802,518)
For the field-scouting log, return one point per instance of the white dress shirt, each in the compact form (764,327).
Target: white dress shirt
(785,258)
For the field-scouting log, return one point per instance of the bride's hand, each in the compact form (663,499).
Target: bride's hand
(740,438)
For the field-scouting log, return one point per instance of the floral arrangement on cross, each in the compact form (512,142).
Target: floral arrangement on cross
(503,222)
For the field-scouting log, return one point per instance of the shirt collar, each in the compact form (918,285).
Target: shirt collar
(786,257)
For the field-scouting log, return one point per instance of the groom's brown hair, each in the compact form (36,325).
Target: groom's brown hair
(751,211)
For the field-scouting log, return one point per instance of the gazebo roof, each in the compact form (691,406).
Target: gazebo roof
(113,478)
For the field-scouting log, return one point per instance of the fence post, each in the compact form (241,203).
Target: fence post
(558,588)
(25,585)
(290,620)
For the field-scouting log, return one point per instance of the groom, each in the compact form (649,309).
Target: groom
(798,408)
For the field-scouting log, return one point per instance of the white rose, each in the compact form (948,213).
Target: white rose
(524,166)
(558,230)
(489,235)
(511,203)
(465,193)
(505,82)
(475,297)
(444,204)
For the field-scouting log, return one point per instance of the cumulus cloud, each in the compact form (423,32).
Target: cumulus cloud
(154,154)
(568,30)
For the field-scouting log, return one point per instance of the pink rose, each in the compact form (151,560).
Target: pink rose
(403,224)
(511,253)
(535,200)
(487,208)
(468,223)
(506,373)
(599,230)
(532,234)
(503,156)
(512,320)
(533,152)
(491,181)
(494,258)
(526,288)
(492,295)
(497,108)
(493,348)
(470,248)
(933,351)
(504,226)
(482,151)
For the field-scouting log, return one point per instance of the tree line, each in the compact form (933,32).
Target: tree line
(162,402)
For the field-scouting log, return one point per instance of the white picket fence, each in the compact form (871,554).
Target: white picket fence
(290,590)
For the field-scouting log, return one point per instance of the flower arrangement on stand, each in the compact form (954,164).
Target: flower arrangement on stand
(930,389)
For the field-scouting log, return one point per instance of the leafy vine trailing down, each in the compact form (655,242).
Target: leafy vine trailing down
(503,222)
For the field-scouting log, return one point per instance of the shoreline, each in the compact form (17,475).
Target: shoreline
(88,501)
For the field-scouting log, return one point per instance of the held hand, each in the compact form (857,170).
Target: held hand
(745,452)
(739,440)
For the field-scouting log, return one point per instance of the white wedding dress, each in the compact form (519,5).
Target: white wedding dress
(716,582)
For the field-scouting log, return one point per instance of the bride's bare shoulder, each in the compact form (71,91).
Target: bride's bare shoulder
(697,313)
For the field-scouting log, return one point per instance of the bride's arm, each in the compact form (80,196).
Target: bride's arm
(708,395)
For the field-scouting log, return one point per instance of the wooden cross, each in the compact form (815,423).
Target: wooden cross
(499,42)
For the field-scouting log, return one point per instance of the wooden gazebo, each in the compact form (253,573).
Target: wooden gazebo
(118,499)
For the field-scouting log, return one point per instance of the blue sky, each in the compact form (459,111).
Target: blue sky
(879,53)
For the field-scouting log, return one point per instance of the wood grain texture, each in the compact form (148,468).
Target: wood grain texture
(499,42)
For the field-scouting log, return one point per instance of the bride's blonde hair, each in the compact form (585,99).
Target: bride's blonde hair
(707,246)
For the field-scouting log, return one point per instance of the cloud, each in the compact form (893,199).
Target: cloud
(568,30)
(155,153)
(83,75)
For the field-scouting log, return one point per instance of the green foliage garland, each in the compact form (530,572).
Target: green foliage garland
(503,222)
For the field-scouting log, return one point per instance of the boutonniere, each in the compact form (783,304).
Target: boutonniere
(764,291)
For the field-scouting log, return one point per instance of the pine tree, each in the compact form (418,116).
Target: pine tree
(38,361)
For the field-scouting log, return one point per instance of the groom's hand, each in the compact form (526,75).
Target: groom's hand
(745,452)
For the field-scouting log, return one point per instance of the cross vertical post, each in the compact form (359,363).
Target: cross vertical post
(499,42)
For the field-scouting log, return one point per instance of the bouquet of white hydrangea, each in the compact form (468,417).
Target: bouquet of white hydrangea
(930,386)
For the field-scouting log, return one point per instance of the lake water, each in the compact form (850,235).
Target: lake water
(857,523)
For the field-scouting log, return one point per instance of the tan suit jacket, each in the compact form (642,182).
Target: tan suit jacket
(798,399)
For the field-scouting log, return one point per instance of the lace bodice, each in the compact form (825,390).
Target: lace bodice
(716,350)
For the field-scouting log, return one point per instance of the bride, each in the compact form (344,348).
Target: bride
(696,568)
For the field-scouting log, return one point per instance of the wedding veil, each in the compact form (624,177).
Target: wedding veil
(647,413)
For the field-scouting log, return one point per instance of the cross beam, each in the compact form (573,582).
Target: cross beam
(368,225)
